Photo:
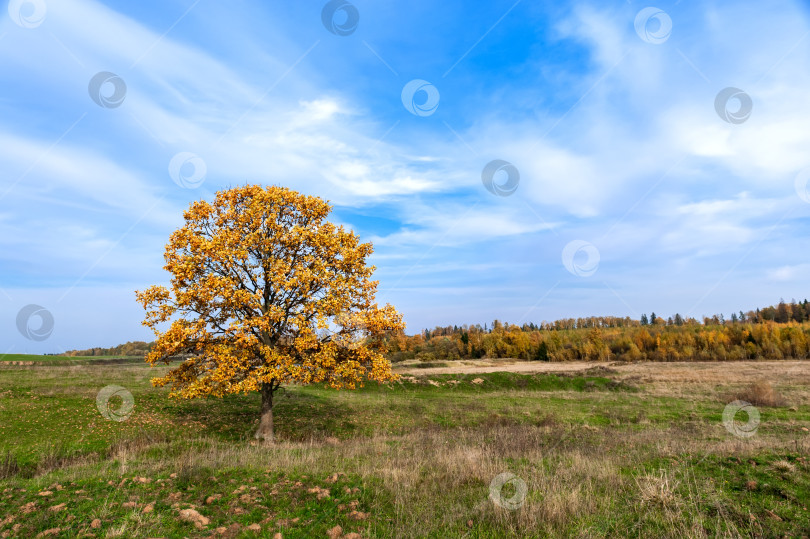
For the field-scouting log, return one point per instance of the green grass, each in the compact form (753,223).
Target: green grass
(419,454)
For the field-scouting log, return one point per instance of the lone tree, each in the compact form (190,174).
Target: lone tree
(264,292)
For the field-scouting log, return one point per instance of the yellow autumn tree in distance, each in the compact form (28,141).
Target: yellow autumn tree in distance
(266,292)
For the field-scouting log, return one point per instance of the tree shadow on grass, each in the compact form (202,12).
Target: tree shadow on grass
(298,416)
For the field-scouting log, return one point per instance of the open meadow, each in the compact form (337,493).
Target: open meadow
(590,450)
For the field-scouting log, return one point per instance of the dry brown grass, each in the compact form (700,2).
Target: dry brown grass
(784,467)
(8,466)
(701,372)
(759,394)
(422,470)
(659,489)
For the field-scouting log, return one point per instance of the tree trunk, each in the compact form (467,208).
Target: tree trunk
(265,430)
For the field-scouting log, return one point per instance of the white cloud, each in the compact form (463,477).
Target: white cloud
(789,273)
(454,225)
(77,173)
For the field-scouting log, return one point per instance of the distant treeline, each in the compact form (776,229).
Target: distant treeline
(135,348)
(777,332)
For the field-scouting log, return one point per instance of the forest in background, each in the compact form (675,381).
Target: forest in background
(776,332)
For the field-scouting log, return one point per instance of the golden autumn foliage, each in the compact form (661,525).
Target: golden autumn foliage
(264,292)
(594,340)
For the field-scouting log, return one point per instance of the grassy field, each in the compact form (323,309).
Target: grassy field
(603,451)
(29,359)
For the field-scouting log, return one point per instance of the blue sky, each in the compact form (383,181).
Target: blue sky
(635,192)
